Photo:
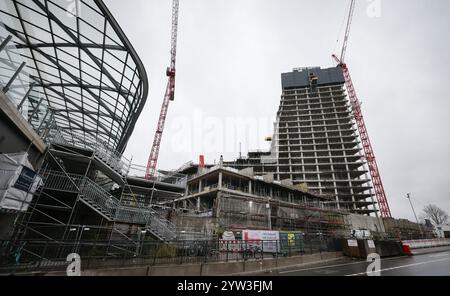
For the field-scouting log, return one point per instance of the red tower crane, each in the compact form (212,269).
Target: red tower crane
(168,96)
(356,107)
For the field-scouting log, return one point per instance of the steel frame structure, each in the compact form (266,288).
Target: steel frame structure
(80,62)
(66,200)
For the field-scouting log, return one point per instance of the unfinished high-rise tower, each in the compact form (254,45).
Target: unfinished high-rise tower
(315,142)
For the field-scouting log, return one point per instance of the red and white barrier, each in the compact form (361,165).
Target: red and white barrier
(427,243)
(230,245)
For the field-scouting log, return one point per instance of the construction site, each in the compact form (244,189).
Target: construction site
(71,94)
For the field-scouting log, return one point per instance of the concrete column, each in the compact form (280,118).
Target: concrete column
(200,186)
(381,224)
(198,203)
(219,185)
(185,203)
(218,206)
(250,187)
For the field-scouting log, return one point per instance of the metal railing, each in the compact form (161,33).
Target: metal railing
(93,193)
(170,177)
(112,158)
(185,166)
(35,255)
(161,227)
(205,171)
(427,243)
(107,204)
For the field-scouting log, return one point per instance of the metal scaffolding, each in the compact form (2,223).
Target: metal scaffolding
(69,202)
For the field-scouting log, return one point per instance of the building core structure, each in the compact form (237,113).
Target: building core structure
(315,142)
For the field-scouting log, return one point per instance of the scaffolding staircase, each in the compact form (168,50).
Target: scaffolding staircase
(99,199)
(102,152)
(106,205)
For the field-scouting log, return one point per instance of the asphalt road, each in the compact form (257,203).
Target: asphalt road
(431,262)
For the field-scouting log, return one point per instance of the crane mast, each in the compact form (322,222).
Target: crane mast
(356,108)
(168,96)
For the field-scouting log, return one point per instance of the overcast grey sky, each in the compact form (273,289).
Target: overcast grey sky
(230,57)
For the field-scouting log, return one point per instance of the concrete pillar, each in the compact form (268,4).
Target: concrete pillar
(219,185)
(250,190)
(381,224)
(269,214)
(218,206)
(184,203)
(198,203)
(200,186)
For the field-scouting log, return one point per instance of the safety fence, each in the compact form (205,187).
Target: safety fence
(34,255)
(108,205)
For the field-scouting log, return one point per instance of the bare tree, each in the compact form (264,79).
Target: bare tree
(437,215)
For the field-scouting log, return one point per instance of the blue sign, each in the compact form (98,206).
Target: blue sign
(25,179)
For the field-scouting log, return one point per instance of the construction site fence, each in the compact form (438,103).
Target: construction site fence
(427,243)
(42,256)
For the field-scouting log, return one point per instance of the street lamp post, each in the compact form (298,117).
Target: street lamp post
(269,214)
(72,229)
(141,240)
(408,196)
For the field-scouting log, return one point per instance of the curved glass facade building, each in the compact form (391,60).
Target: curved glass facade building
(68,67)
(71,90)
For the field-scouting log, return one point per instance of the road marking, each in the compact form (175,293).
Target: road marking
(322,267)
(345,264)
(398,267)
(439,255)
(336,265)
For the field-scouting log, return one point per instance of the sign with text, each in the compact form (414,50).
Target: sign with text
(266,240)
(352,243)
(25,179)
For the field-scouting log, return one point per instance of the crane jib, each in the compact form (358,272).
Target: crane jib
(168,96)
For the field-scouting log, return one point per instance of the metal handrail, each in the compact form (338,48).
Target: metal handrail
(171,177)
(108,155)
(109,205)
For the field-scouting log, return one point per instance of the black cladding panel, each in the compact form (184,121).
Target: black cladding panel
(300,78)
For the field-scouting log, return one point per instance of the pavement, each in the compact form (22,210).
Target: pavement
(424,262)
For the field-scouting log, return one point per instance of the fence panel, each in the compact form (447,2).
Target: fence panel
(51,255)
